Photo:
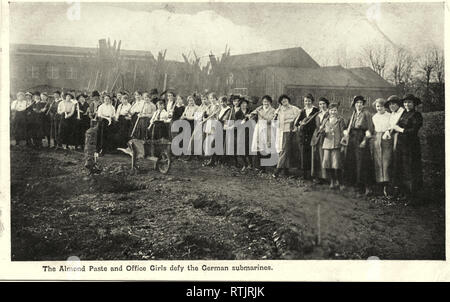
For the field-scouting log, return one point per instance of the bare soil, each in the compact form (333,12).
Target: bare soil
(196,212)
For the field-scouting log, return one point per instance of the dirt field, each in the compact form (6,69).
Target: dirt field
(198,212)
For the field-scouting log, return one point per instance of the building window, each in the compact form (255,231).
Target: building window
(33,72)
(240,91)
(71,73)
(52,72)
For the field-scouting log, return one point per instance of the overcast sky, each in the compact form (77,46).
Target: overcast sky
(321,29)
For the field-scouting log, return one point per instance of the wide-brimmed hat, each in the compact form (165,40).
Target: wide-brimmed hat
(68,93)
(242,100)
(411,97)
(95,93)
(393,99)
(358,98)
(170,90)
(81,95)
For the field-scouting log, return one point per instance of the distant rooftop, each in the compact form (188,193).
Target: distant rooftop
(331,76)
(71,50)
(289,57)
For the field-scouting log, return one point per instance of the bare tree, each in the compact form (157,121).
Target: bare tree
(402,67)
(426,67)
(439,65)
(376,55)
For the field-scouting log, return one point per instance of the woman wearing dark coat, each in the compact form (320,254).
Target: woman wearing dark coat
(306,126)
(36,120)
(358,167)
(409,158)
(241,115)
(84,121)
(317,171)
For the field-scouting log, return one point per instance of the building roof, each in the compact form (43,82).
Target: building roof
(289,57)
(71,50)
(332,76)
(370,77)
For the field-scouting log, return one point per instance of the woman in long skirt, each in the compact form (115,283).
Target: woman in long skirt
(262,136)
(408,146)
(177,113)
(242,116)
(123,117)
(52,112)
(144,116)
(212,113)
(285,144)
(19,108)
(306,126)
(36,120)
(358,168)
(45,120)
(382,144)
(189,115)
(317,171)
(159,122)
(84,121)
(67,124)
(105,116)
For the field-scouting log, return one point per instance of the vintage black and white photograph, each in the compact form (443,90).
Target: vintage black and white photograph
(226,131)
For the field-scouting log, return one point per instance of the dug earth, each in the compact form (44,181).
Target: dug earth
(196,212)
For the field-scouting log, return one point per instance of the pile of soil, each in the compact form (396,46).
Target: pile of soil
(196,212)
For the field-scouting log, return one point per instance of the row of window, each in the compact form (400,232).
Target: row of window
(53,72)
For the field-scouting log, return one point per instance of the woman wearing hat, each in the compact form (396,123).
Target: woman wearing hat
(38,116)
(395,105)
(286,115)
(67,128)
(51,112)
(305,130)
(83,121)
(358,162)
(18,107)
(261,142)
(408,146)
(317,171)
(241,116)
(382,144)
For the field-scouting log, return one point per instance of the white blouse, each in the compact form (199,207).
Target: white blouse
(381,121)
(19,105)
(123,109)
(106,111)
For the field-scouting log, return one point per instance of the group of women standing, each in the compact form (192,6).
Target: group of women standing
(381,148)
